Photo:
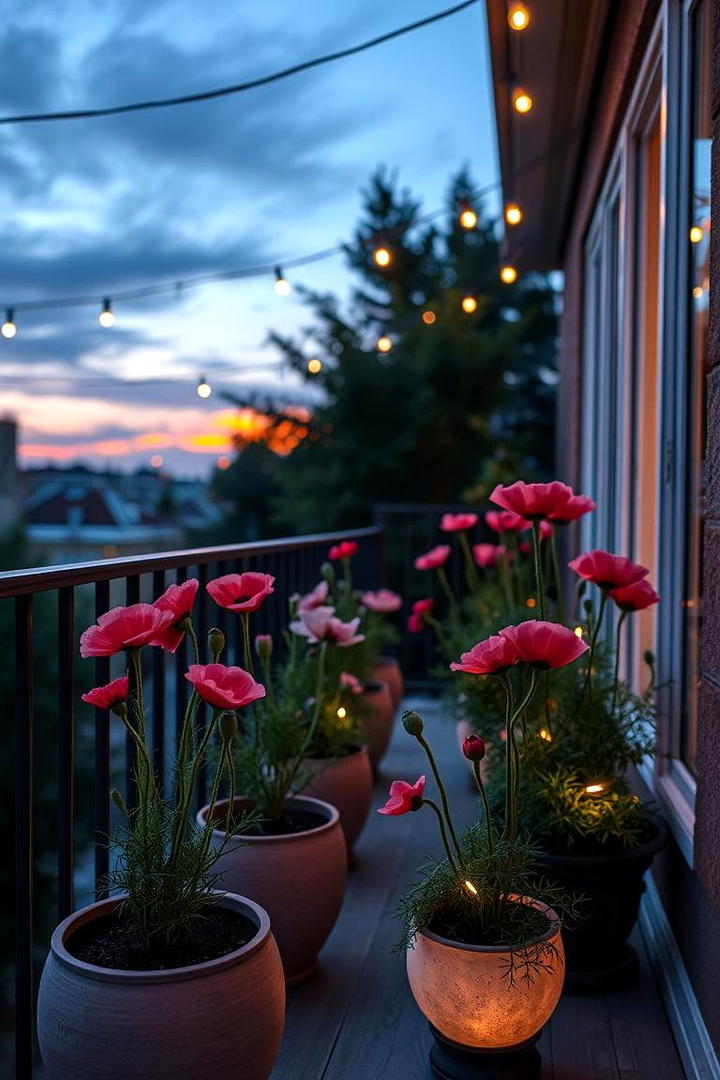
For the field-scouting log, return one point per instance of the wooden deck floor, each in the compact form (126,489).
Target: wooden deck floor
(357,1020)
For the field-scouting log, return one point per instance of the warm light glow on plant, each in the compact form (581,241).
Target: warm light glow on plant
(470,887)
(518,17)
(342,713)
(469,304)
(545,735)
(382,256)
(578,631)
(428,317)
(596,788)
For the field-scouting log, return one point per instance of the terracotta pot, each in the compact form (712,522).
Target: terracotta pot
(220,1018)
(346,783)
(465,993)
(299,878)
(377,720)
(387,669)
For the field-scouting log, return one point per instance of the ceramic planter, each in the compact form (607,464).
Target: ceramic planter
(387,669)
(599,957)
(481,1021)
(299,878)
(346,783)
(207,1021)
(377,720)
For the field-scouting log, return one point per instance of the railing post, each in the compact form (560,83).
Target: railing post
(102,760)
(24,981)
(66,750)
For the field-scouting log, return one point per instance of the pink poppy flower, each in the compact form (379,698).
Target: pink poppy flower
(489,657)
(105,697)
(349,682)
(415,624)
(433,559)
(487,555)
(344,550)
(505,521)
(317,597)
(544,644)
(473,747)
(241,592)
(124,628)
(384,600)
(424,606)
(404,797)
(321,624)
(224,687)
(178,599)
(635,597)
(574,508)
(607,570)
(533,501)
(525,547)
(458,522)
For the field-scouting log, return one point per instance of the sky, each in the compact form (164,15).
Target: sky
(92,206)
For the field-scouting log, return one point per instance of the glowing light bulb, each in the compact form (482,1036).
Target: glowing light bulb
(578,631)
(469,304)
(223,462)
(282,285)
(468,218)
(470,887)
(522,102)
(204,389)
(530,602)
(428,317)
(545,735)
(508,274)
(596,788)
(384,344)
(518,17)
(342,713)
(156,461)
(696,234)
(697,291)
(382,256)
(106,317)
(314,365)
(513,214)
(8,328)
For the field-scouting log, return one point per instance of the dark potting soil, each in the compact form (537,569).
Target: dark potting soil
(113,942)
(528,927)
(292,821)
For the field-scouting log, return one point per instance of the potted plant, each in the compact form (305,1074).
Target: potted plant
(293,858)
(484,950)
(137,985)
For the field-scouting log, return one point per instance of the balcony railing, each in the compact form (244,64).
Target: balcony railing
(55,604)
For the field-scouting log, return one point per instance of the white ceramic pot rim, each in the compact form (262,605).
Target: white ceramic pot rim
(73,922)
(307,802)
(552,930)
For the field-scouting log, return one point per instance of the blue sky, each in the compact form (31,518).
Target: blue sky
(95,205)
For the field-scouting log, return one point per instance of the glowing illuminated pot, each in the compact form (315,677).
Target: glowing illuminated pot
(388,670)
(223,1017)
(299,878)
(378,716)
(346,783)
(474,1010)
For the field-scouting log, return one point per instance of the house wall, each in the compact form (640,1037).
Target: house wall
(691,896)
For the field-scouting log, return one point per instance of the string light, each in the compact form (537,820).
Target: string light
(697,291)
(530,602)
(204,389)
(106,317)
(470,887)
(468,217)
(282,285)
(518,17)
(469,304)
(522,102)
(508,275)
(384,344)
(156,461)
(513,214)
(382,256)
(314,365)
(342,712)
(8,328)
(596,788)
(696,234)
(429,317)
(545,735)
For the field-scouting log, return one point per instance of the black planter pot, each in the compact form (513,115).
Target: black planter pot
(450,1061)
(597,952)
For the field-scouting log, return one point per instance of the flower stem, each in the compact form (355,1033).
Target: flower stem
(445,584)
(593,642)
(472,577)
(443,833)
(443,794)
(616,674)
(483,793)
(558,578)
(540,583)
(246,642)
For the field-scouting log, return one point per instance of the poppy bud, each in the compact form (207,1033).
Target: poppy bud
(413,723)
(588,607)
(228,726)
(649,658)
(581,589)
(118,800)
(264,646)
(474,748)
(327,571)
(216,641)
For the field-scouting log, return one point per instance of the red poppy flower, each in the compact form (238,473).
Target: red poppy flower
(384,600)
(505,521)
(350,682)
(404,797)
(533,501)
(224,687)
(344,550)
(489,657)
(607,570)
(433,559)
(574,508)
(105,697)
(544,644)
(415,625)
(488,555)
(178,599)
(241,592)
(635,597)
(321,624)
(124,628)
(423,607)
(458,522)
(474,748)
